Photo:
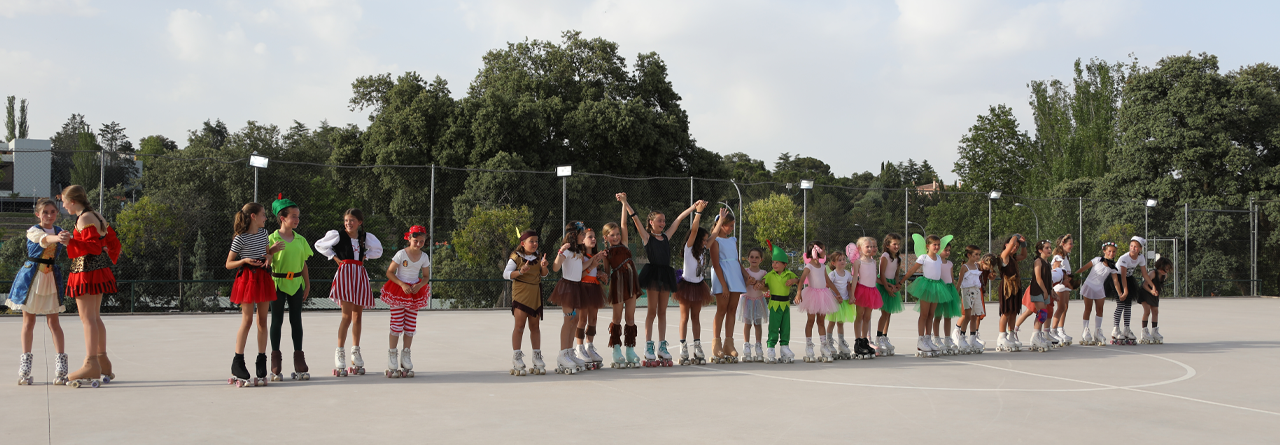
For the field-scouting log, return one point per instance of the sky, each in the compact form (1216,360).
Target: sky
(851,83)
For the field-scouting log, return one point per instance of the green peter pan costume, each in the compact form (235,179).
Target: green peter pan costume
(779,301)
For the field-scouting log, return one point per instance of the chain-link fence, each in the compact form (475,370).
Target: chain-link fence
(177,225)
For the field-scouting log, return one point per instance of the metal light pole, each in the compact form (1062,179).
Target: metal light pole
(564,171)
(1033,212)
(737,232)
(257,162)
(991,196)
(805,186)
(1146,223)
(863,229)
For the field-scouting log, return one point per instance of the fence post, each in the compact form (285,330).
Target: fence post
(431,221)
(906,219)
(1253,248)
(1186,247)
(1080,214)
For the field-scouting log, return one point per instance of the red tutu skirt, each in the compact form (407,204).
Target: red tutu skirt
(253,285)
(393,295)
(94,282)
(574,295)
(868,297)
(693,294)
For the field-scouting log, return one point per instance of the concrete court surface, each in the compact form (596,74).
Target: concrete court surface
(1214,381)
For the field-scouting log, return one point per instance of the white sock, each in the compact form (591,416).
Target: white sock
(1086,325)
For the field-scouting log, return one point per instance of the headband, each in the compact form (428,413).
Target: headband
(414,231)
(527,234)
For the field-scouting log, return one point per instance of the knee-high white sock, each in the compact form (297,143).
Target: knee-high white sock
(1097,323)
(1086,325)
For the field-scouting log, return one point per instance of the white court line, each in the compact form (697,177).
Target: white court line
(1190,372)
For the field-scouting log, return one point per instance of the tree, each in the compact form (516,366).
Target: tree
(156,145)
(482,244)
(992,153)
(10,125)
(86,171)
(65,143)
(22,120)
(776,218)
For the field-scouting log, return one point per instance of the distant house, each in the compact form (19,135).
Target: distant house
(930,188)
(26,164)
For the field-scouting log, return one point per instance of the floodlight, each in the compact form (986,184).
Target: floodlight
(1151,203)
(564,170)
(995,194)
(258,161)
(806,184)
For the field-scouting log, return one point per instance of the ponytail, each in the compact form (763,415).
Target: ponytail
(245,216)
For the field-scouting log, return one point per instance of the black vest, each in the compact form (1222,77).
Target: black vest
(342,250)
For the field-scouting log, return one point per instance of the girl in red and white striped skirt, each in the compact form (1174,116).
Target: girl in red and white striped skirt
(406,291)
(350,247)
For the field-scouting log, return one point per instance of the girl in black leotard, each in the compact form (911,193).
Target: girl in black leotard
(658,278)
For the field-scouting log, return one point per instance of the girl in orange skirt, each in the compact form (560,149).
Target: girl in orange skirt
(93,249)
(253,290)
(571,294)
(586,332)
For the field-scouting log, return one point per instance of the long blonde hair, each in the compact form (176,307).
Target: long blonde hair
(76,194)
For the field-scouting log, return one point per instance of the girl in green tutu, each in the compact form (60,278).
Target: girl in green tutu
(890,290)
(929,289)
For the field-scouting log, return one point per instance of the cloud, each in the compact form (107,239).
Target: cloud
(15,8)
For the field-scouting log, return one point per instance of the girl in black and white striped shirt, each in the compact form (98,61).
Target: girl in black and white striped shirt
(253,289)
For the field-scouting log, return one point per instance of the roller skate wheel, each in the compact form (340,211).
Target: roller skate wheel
(387,373)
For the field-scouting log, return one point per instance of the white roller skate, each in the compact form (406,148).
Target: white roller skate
(664,357)
(924,347)
(565,363)
(1017,343)
(619,361)
(573,355)
(1129,338)
(650,360)
(1062,336)
(582,355)
(1003,344)
(1155,336)
(339,362)
(769,358)
(60,369)
(596,359)
(976,343)
(760,352)
(698,358)
(406,363)
(24,369)
(787,356)
(843,349)
(952,347)
(1050,338)
(961,345)
(808,351)
(1146,337)
(517,364)
(1038,342)
(684,354)
(393,364)
(1086,338)
(357,362)
(827,352)
(539,366)
(1117,336)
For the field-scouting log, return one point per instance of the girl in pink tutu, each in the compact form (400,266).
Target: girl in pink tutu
(865,295)
(816,300)
(406,290)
